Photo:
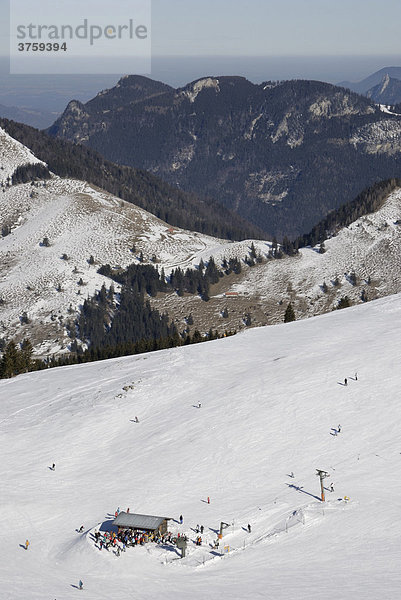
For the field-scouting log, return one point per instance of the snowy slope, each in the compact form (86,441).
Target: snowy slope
(270,403)
(13,154)
(79,221)
(370,247)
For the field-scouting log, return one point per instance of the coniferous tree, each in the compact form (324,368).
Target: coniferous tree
(26,355)
(353,278)
(289,314)
(9,361)
(344,302)
(24,318)
(197,337)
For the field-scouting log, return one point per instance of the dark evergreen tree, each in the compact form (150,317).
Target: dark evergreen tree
(353,278)
(24,318)
(248,320)
(26,355)
(9,363)
(289,314)
(344,302)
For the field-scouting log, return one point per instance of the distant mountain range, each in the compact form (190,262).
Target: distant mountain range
(387,92)
(383,87)
(280,154)
(32,117)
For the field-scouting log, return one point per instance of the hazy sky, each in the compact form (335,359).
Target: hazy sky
(277,27)
(264,27)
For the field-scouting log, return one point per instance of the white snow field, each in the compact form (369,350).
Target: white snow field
(272,399)
(13,154)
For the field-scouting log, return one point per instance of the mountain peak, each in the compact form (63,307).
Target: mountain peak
(192,90)
(388,91)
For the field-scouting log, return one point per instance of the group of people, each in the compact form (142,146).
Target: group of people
(125,538)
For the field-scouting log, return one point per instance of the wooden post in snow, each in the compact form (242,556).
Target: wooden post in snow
(322,475)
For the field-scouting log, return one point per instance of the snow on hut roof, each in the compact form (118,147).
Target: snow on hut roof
(138,521)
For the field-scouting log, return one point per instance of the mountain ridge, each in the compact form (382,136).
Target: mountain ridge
(282,155)
(133,185)
(387,92)
(362,86)
(58,232)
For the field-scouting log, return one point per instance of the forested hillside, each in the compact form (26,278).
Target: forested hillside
(167,202)
(280,154)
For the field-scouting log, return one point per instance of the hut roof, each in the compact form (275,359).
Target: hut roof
(135,521)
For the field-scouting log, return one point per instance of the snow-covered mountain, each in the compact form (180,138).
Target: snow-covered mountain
(272,402)
(57,225)
(13,155)
(362,262)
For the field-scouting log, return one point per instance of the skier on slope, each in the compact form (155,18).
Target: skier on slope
(81,585)
(339,429)
(249,528)
(345,381)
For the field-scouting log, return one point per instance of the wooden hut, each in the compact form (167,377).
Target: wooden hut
(144,523)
